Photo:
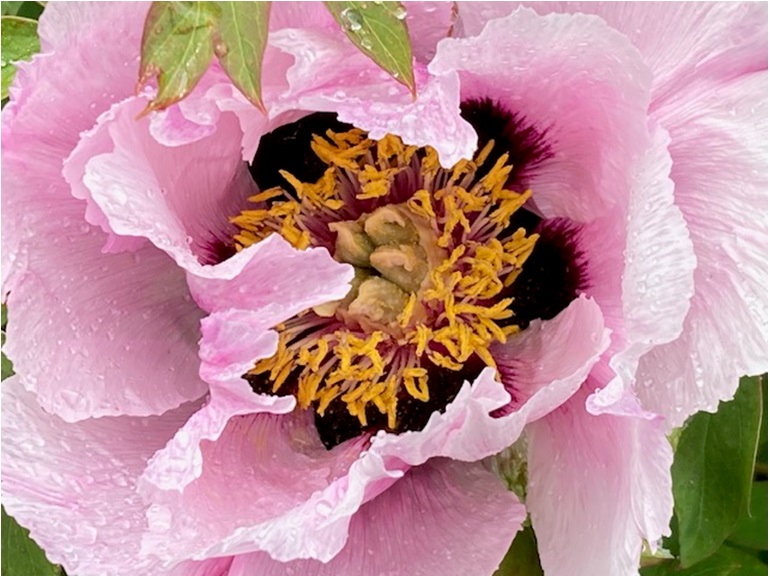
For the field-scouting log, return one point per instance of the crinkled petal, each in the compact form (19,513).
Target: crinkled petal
(588,98)
(331,74)
(318,526)
(272,271)
(260,470)
(180,198)
(74,485)
(47,112)
(653,262)
(267,290)
(539,377)
(597,485)
(198,115)
(442,518)
(67,298)
(719,152)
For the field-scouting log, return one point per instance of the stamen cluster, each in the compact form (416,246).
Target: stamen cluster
(433,251)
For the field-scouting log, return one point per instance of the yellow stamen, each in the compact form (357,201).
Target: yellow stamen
(437,254)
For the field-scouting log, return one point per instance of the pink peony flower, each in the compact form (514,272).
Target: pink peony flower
(196,395)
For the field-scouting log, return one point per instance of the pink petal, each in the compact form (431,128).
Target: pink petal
(428,24)
(330,74)
(597,486)
(318,524)
(644,254)
(263,481)
(685,43)
(213,567)
(272,272)
(542,380)
(719,150)
(73,485)
(441,518)
(180,198)
(198,115)
(44,96)
(94,335)
(589,98)
(553,355)
(245,308)
(68,300)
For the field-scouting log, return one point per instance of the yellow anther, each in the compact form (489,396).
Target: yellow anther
(484,153)
(416,383)
(454,217)
(343,156)
(421,204)
(325,398)
(421,337)
(406,315)
(268,194)
(443,361)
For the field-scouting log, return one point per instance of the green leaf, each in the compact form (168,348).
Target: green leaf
(522,558)
(241,38)
(751,531)
(713,471)
(21,556)
(762,448)
(18,41)
(379,31)
(177,47)
(727,561)
(10,8)
(7,367)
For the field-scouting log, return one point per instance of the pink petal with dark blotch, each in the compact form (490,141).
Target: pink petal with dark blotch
(580,83)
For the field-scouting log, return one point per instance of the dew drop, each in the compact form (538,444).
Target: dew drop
(399,12)
(352,19)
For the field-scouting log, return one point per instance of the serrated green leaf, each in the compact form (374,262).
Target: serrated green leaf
(379,31)
(713,470)
(522,558)
(751,531)
(241,38)
(21,556)
(177,47)
(18,41)
(727,561)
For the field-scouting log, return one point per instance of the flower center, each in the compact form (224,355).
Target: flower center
(433,251)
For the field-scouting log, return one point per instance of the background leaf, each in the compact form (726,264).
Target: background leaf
(240,45)
(379,31)
(177,48)
(713,471)
(21,556)
(522,557)
(726,562)
(18,41)
(751,531)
